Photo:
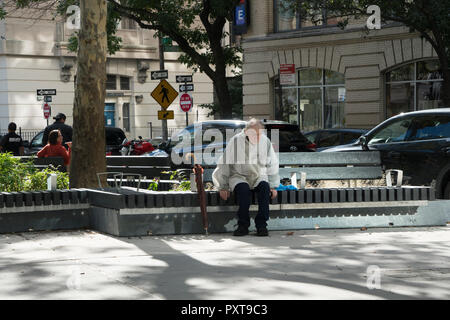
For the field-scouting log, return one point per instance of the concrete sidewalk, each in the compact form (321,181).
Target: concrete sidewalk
(323,264)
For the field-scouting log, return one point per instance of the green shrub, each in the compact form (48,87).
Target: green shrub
(38,180)
(183,186)
(153,185)
(23,176)
(13,172)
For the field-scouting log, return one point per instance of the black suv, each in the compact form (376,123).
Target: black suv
(290,137)
(114,139)
(417,143)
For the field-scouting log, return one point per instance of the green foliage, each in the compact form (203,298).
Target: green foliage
(38,180)
(177,19)
(153,185)
(429,17)
(13,173)
(114,42)
(23,176)
(183,186)
(235,88)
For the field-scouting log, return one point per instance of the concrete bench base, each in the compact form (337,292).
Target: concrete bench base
(188,220)
(126,212)
(44,218)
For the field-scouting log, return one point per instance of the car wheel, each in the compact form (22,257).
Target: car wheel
(446,194)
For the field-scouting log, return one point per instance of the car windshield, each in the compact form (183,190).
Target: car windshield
(291,136)
(287,133)
(394,132)
(37,141)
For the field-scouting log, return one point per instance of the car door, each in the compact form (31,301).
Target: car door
(36,144)
(391,141)
(428,148)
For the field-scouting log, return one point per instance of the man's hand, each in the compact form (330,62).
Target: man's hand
(69,144)
(273,193)
(224,194)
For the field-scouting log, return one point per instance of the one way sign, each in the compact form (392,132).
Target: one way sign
(186,87)
(158,75)
(46,92)
(181,79)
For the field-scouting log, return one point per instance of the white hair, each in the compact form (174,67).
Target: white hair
(254,123)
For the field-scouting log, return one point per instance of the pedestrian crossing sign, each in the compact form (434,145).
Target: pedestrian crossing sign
(166,115)
(164,94)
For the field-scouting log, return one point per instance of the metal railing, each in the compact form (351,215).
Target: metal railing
(26,134)
(156,132)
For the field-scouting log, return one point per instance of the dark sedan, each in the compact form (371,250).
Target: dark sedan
(417,143)
(290,137)
(328,138)
(114,139)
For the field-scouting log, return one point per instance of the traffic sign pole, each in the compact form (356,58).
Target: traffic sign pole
(165,133)
(187,117)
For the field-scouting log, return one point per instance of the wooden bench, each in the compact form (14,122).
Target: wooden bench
(146,167)
(42,163)
(303,166)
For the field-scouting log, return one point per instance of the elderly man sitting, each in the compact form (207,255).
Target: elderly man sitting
(249,162)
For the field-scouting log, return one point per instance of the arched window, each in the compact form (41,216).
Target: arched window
(414,86)
(316,102)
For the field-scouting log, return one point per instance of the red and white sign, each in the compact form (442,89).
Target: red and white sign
(47,111)
(287,74)
(186,102)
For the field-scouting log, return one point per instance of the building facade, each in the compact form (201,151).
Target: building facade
(34,55)
(352,78)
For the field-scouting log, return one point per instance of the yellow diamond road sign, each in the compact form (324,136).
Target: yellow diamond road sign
(165,115)
(164,94)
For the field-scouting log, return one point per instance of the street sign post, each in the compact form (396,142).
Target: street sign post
(287,74)
(186,101)
(46,92)
(166,115)
(183,79)
(47,98)
(158,75)
(186,87)
(47,111)
(164,94)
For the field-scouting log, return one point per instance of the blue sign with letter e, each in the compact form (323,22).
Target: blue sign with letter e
(240,15)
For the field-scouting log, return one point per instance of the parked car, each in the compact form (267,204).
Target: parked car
(114,139)
(290,137)
(328,138)
(417,143)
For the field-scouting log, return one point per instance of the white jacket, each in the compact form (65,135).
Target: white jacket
(243,161)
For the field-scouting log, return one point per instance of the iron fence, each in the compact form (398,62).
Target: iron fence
(26,134)
(156,132)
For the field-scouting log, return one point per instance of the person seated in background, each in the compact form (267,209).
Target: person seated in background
(54,148)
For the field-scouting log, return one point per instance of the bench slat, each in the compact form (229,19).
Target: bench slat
(144,171)
(334,173)
(137,161)
(330,173)
(358,158)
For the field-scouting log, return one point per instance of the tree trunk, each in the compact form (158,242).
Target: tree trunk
(445,91)
(88,153)
(224,97)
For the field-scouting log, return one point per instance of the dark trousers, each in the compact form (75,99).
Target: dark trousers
(244,197)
